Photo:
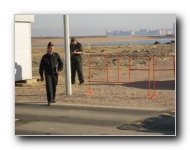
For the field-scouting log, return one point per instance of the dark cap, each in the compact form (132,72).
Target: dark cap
(73,39)
(50,44)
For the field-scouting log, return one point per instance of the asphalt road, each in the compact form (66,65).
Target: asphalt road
(62,119)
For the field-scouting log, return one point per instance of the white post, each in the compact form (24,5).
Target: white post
(67,55)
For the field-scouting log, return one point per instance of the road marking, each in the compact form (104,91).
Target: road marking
(139,123)
(166,114)
(149,120)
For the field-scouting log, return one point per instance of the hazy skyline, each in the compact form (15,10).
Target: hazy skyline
(83,25)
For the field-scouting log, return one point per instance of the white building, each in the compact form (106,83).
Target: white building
(168,31)
(23,54)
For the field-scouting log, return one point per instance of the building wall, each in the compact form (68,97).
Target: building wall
(23,56)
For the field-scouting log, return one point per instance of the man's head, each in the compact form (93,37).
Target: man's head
(73,41)
(50,48)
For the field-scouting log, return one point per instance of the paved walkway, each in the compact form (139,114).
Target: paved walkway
(68,119)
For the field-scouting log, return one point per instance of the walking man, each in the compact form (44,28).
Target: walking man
(76,50)
(52,65)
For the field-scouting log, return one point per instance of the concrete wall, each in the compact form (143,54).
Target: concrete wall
(23,55)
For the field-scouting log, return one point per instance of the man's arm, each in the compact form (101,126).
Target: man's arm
(41,69)
(79,50)
(60,64)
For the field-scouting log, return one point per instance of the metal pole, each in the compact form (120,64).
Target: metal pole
(107,68)
(154,78)
(174,65)
(148,96)
(67,55)
(129,67)
(118,69)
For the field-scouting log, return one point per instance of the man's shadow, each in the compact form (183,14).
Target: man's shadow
(18,72)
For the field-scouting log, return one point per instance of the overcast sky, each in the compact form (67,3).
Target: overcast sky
(81,25)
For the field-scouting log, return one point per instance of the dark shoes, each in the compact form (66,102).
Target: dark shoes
(49,103)
(53,101)
(81,83)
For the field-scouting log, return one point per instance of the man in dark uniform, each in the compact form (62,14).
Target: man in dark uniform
(76,50)
(52,65)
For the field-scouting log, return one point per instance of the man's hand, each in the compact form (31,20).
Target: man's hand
(74,52)
(58,72)
(77,52)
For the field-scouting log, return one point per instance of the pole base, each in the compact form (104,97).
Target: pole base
(89,92)
(148,96)
(154,95)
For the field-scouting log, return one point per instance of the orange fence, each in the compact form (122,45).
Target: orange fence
(117,58)
(157,66)
(162,68)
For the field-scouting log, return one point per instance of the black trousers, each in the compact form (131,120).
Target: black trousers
(51,83)
(76,67)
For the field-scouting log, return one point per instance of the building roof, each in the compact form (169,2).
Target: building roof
(24,18)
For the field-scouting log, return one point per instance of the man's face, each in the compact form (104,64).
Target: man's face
(50,49)
(74,42)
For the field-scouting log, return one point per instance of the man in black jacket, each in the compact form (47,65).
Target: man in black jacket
(52,65)
(76,50)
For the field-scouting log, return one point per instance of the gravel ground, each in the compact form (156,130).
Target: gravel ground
(126,95)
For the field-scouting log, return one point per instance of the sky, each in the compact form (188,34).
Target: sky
(97,24)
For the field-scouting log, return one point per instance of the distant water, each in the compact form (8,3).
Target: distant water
(142,42)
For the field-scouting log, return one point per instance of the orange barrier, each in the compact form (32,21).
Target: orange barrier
(155,69)
(106,68)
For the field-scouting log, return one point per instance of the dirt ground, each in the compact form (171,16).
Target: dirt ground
(133,89)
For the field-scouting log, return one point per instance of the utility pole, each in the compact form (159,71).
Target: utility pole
(67,56)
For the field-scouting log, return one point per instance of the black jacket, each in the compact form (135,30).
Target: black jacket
(49,64)
(76,57)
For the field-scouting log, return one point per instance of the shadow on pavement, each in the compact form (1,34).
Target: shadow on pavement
(162,123)
(166,127)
